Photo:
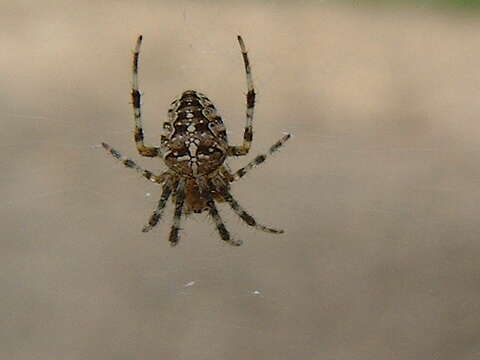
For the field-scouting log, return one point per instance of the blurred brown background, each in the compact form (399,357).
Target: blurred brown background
(378,190)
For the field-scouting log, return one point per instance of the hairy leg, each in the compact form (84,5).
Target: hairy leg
(248,133)
(179,201)
(147,174)
(157,214)
(245,216)
(259,159)
(144,150)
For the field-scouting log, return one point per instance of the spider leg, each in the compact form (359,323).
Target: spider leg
(248,134)
(213,211)
(148,151)
(244,215)
(157,214)
(179,200)
(259,159)
(147,174)
(222,230)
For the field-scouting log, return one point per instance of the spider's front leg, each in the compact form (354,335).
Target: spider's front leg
(149,151)
(223,189)
(179,201)
(206,191)
(157,214)
(246,217)
(248,133)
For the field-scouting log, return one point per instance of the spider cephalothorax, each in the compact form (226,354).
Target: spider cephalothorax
(194,147)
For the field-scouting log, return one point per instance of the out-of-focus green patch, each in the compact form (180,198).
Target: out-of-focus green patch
(452,4)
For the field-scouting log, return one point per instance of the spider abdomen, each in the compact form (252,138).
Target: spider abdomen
(196,140)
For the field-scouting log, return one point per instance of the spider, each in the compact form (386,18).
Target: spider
(194,147)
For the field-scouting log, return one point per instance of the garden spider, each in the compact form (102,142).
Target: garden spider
(194,147)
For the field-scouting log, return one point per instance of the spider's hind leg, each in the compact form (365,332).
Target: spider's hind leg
(248,133)
(149,151)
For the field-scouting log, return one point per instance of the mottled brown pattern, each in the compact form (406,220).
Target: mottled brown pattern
(194,147)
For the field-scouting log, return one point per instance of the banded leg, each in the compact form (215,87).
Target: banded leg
(259,159)
(213,211)
(157,214)
(137,111)
(248,134)
(245,216)
(179,200)
(222,230)
(147,174)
